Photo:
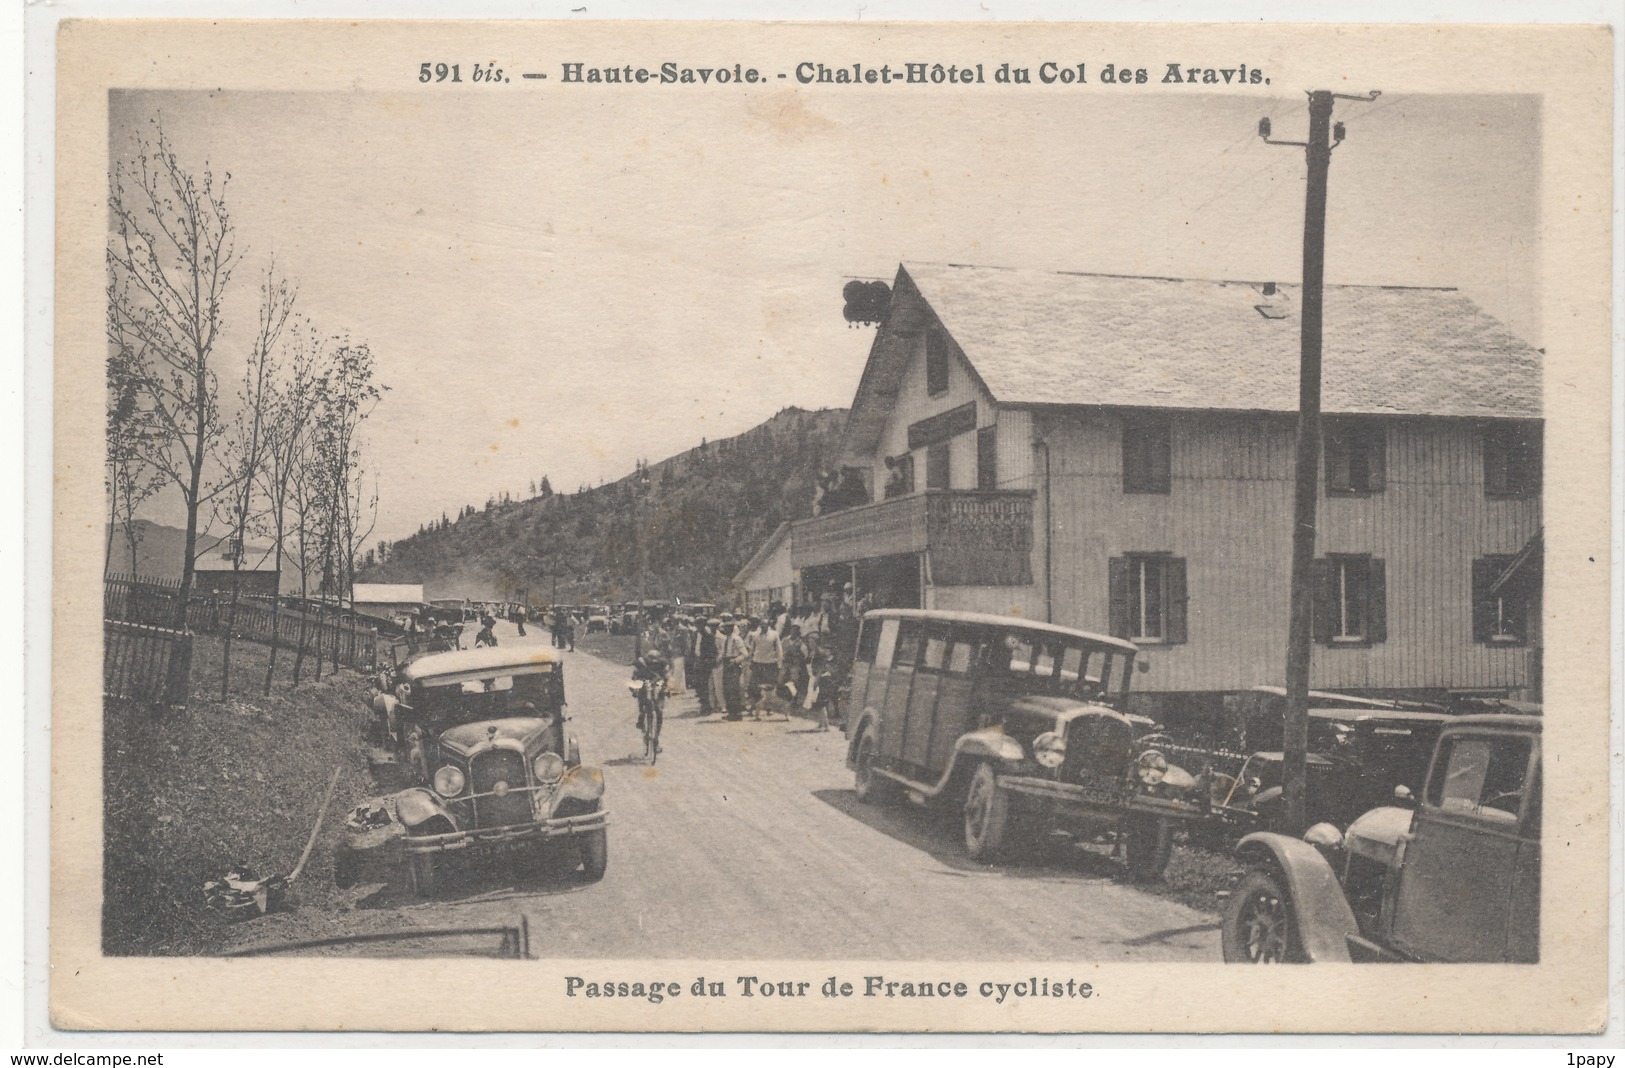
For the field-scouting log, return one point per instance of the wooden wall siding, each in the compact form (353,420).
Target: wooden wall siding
(1026,602)
(1228,514)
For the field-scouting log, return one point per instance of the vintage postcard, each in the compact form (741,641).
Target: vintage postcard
(742,526)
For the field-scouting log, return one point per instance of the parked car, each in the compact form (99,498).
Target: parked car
(598,620)
(1450,876)
(1357,755)
(1023,725)
(484,740)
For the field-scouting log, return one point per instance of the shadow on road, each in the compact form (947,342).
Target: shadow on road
(488,877)
(937,831)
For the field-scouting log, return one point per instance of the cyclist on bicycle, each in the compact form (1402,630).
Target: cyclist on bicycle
(651,667)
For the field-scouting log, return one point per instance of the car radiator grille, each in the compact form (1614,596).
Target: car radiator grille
(1099,750)
(490,768)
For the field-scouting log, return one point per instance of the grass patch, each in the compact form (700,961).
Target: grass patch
(187,794)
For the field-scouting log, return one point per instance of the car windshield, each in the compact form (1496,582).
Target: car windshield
(1030,663)
(495,697)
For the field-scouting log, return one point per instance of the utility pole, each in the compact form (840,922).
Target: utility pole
(1323,138)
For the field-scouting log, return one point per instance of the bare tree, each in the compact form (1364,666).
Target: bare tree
(132,442)
(287,439)
(245,444)
(170,258)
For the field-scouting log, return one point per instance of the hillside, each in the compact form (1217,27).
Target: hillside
(704,513)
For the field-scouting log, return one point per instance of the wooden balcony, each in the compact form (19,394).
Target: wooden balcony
(974,537)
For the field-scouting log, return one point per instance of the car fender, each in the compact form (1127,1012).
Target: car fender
(583,783)
(1319,908)
(417,806)
(862,723)
(988,744)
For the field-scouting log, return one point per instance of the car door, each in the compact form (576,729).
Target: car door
(1453,898)
(922,699)
(956,701)
(899,681)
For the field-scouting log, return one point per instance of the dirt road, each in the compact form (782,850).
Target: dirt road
(746,841)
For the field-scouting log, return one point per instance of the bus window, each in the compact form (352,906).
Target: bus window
(1044,663)
(962,657)
(936,652)
(869,641)
(1021,655)
(908,644)
(888,643)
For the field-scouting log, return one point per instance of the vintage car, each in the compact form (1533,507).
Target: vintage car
(1357,755)
(1451,876)
(492,765)
(1022,724)
(599,620)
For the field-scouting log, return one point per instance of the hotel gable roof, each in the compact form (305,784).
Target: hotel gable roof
(1045,338)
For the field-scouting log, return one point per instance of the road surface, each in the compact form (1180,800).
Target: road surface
(747,841)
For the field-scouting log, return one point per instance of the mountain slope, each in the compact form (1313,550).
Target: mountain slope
(701,516)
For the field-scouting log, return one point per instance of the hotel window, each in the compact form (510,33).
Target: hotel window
(1148,598)
(1500,608)
(1146,448)
(1512,458)
(1351,600)
(937,467)
(936,362)
(1356,459)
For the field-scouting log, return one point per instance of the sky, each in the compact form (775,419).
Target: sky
(563,286)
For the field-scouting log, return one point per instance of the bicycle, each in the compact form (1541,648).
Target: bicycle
(651,713)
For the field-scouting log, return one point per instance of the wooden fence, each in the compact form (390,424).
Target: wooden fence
(157,603)
(148,601)
(148,664)
(333,638)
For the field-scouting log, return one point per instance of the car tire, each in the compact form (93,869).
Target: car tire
(1149,847)
(1259,924)
(871,787)
(594,849)
(424,874)
(987,815)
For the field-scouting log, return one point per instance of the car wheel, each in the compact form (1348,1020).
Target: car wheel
(1259,927)
(1150,845)
(594,854)
(424,872)
(987,812)
(867,783)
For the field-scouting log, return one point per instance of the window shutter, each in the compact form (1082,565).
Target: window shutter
(1174,570)
(1117,609)
(1485,571)
(1376,625)
(1322,578)
(1377,454)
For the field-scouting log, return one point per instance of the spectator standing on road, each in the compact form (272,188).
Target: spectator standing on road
(793,675)
(682,643)
(821,691)
(486,636)
(520,614)
(705,663)
(766,657)
(570,630)
(735,659)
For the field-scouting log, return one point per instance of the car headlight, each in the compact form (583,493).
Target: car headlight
(449,781)
(549,768)
(1151,767)
(1049,749)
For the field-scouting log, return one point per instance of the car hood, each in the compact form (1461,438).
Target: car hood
(520,729)
(1044,705)
(1376,834)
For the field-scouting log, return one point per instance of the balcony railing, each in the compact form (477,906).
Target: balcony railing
(974,537)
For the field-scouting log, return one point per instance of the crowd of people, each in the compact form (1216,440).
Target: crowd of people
(757,665)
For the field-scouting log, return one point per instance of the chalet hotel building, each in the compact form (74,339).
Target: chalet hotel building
(1116,454)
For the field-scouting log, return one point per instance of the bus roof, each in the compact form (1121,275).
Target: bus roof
(987,619)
